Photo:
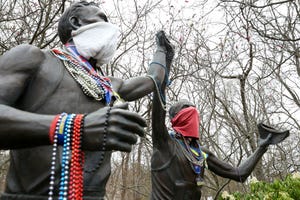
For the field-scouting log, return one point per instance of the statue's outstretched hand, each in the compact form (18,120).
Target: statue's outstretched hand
(121,126)
(269,135)
(164,44)
(265,141)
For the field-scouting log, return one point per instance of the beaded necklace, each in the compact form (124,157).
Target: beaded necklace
(75,190)
(91,83)
(195,157)
(186,149)
(57,121)
(67,129)
(102,155)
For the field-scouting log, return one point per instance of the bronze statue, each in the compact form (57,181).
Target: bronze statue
(41,88)
(178,161)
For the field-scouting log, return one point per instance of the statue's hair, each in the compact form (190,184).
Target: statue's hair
(64,25)
(176,107)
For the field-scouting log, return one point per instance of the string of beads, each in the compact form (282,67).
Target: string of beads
(91,83)
(103,145)
(66,130)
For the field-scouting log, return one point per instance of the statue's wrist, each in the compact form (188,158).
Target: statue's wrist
(161,50)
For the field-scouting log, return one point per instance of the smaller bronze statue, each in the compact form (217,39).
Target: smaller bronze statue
(178,160)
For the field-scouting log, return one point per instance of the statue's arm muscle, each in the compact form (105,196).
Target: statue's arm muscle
(220,167)
(19,128)
(160,135)
(16,67)
(133,88)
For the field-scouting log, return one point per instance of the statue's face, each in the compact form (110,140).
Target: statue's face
(90,14)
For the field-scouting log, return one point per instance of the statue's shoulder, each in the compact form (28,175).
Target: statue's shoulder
(23,56)
(25,51)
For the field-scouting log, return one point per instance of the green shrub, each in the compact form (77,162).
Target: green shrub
(287,189)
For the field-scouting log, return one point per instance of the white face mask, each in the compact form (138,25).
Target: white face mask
(97,40)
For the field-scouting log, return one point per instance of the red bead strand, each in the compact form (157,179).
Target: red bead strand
(52,128)
(76,170)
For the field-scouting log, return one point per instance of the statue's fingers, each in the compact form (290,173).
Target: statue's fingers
(161,38)
(121,106)
(120,146)
(123,135)
(126,116)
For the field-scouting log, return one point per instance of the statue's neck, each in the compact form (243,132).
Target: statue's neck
(92,61)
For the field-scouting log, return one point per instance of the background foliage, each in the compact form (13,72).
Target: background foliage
(238,61)
(287,189)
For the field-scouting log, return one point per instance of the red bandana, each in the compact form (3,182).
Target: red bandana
(186,122)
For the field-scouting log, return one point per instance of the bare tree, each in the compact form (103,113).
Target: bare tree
(239,70)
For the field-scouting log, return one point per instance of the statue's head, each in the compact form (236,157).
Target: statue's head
(179,105)
(185,119)
(77,15)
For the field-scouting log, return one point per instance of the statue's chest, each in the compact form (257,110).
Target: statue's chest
(53,90)
(70,97)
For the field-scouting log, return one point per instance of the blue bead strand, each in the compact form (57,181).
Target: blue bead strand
(63,189)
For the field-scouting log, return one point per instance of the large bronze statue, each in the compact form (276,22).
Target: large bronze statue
(45,94)
(178,160)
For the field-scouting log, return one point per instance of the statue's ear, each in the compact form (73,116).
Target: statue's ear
(74,21)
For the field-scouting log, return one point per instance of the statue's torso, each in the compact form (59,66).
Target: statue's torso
(52,91)
(173,179)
